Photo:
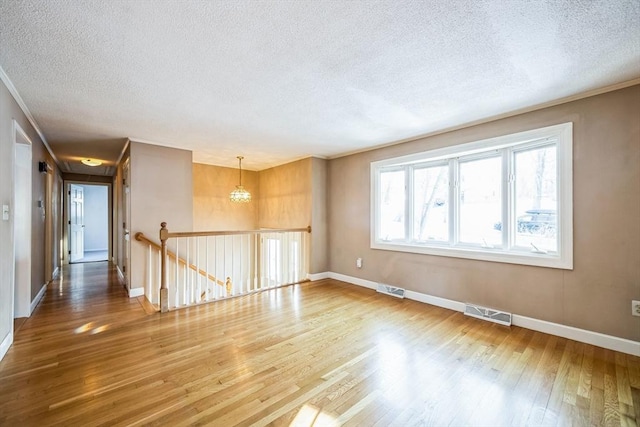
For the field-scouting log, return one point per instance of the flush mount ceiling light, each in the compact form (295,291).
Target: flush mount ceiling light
(240,195)
(91,162)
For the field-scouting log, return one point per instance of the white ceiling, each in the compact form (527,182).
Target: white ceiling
(281,80)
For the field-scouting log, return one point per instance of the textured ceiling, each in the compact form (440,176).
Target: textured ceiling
(280,80)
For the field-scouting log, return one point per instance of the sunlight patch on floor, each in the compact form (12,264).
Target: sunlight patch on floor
(310,416)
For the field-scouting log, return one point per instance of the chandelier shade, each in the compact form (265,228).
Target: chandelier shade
(240,195)
(91,162)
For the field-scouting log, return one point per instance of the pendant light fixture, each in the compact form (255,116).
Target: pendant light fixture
(240,195)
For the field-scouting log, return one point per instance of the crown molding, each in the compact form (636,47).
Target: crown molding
(566,99)
(14,92)
(124,150)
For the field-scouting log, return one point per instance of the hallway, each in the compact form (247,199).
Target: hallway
(323,352)
(69,346)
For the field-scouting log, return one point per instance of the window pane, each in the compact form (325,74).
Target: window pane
(536,199)
(481,201)
(392,205)
(431,204)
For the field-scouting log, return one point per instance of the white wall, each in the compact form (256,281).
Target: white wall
(96,218)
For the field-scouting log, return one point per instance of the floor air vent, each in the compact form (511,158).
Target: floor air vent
(488,314)
(390,290)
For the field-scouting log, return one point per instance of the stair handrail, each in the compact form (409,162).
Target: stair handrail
(166,235)
(229,233)
(139,236)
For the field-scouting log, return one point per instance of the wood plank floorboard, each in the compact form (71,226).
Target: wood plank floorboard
(320,353)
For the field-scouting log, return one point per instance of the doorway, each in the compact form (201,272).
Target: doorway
(88,222)
(22,223)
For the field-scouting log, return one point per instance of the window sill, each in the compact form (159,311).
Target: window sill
(494,255)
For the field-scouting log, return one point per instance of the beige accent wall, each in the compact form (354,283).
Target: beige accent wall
(596,295)
(212,209)
(285,195)
(161,190)
(10,110)
(294,196)
(288,196)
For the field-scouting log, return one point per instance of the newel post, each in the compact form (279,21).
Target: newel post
(164,291)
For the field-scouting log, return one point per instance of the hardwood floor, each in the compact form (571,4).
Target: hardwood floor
(323,352)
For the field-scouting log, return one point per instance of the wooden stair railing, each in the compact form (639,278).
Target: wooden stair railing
(253,260)
(139,236)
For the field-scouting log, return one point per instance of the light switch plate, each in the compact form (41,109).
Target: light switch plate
(5,212)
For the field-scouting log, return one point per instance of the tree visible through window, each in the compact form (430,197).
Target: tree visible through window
(392,207)
(536,199)
(431,203)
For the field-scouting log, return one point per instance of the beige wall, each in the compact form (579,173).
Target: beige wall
(595,296)
(212,209)
(161,190)
(294,196)
(9,110)
(285,195)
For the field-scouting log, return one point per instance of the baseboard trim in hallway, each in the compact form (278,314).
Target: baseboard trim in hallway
(135,292)
(38,298)
(6,344)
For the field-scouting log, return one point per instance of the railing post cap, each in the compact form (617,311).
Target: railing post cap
(164,233)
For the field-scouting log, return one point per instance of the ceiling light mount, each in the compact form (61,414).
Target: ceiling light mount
(240,195)
(91,162)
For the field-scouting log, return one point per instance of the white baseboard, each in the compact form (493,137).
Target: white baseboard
(136,292)
(353,280)
(55,273)
(38,297)
(120,273)
(582,335)
(437,301)
(317,276)
(595,338)
(6,342)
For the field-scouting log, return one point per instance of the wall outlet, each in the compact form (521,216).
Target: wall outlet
(635,308)
(359,262)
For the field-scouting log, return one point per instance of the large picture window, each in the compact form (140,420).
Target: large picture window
(505,199)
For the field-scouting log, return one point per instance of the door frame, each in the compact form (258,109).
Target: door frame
(76,222)
(59,233)
(126,214)
(67,206)
(49,227)
(21,290)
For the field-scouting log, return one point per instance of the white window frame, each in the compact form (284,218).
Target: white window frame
(561,135)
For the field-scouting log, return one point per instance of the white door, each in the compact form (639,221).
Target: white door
(76,222)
